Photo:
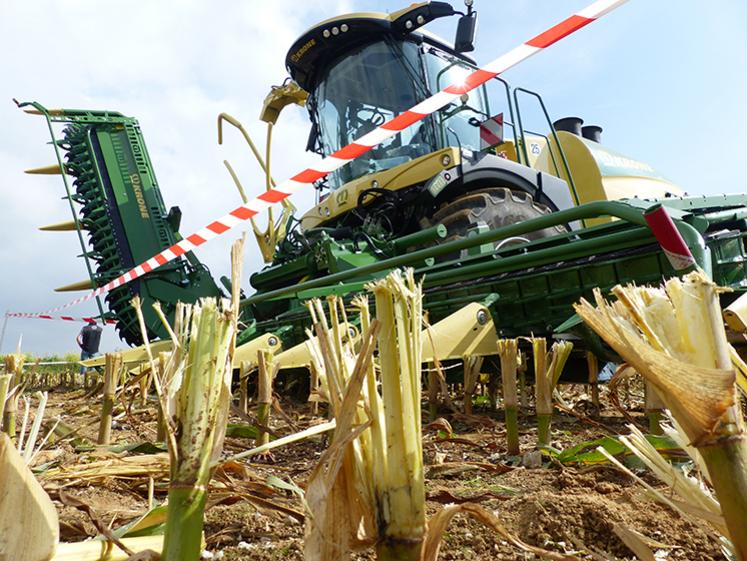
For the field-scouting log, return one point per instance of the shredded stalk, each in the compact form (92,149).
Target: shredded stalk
(113,367)
(674,337)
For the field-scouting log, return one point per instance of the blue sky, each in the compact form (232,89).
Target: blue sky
(665,79)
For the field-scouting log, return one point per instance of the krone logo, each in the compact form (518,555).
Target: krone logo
(138,189)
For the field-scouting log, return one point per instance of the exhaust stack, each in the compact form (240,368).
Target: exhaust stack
(569,124)
(592,132)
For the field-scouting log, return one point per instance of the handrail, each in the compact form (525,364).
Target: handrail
(554,133)
(506,87)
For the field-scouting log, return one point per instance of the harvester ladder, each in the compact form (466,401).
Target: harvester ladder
(553,132)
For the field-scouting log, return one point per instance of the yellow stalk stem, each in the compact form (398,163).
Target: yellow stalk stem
(113,367)
(508,350)
(266,374)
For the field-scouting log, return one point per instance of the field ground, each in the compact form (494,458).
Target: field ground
(555,506)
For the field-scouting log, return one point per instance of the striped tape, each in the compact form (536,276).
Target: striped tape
(241,214)
(669,238)
(57,318)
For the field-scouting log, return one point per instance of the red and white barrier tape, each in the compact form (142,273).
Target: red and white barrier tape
(669,238)
(58,318)
(362,145)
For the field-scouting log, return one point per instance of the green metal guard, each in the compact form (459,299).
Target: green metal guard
(124,214)
(45,112)
(592,210)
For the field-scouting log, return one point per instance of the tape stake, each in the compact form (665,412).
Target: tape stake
(669,238)
(334,161)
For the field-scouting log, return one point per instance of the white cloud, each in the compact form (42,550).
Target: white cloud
(174,67)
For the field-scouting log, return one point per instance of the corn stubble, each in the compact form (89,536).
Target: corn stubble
(14,368)
(112,375)
(194,390)
(368,488)
(508,350)
(547,370)
(674,336)
(197,392)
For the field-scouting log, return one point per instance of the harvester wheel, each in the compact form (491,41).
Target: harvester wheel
(494,207)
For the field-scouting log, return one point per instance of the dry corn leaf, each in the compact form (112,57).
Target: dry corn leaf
(636,542)
(129,467)
(328,522)
(687,508)
(331,528)
(455,468)
(101,527)
(446,497)
(438,524)
(147,555)
(260,502)
(440,424)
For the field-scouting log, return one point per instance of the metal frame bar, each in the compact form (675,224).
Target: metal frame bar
(45,112)
(554,133)
(616,209)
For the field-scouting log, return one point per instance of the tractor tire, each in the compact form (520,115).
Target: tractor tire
(493,206)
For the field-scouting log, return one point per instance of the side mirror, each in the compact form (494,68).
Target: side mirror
(465,34)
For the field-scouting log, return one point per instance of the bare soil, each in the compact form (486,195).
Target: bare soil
(560,508)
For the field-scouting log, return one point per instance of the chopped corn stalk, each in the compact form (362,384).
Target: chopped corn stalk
(112,374)
(197,383)
(195,394)
(14,367)
(674,336)
(508,349)
(266,374)
(4,386)
(401,494)
(547,371)
(369,486)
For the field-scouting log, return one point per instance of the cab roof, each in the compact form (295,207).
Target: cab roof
(317,48)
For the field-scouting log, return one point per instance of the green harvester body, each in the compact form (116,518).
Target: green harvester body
(506,224)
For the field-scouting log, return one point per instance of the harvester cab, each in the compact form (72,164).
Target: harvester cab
(455,167)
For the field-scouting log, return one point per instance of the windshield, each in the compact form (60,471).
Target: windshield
(363,90)
(457,123)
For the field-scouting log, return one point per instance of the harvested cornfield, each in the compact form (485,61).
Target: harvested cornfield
(312,473)
(488,335)
(254,513)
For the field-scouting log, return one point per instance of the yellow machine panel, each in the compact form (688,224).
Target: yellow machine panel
(507,150)
(535,146)
(601,174)
(345,198)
